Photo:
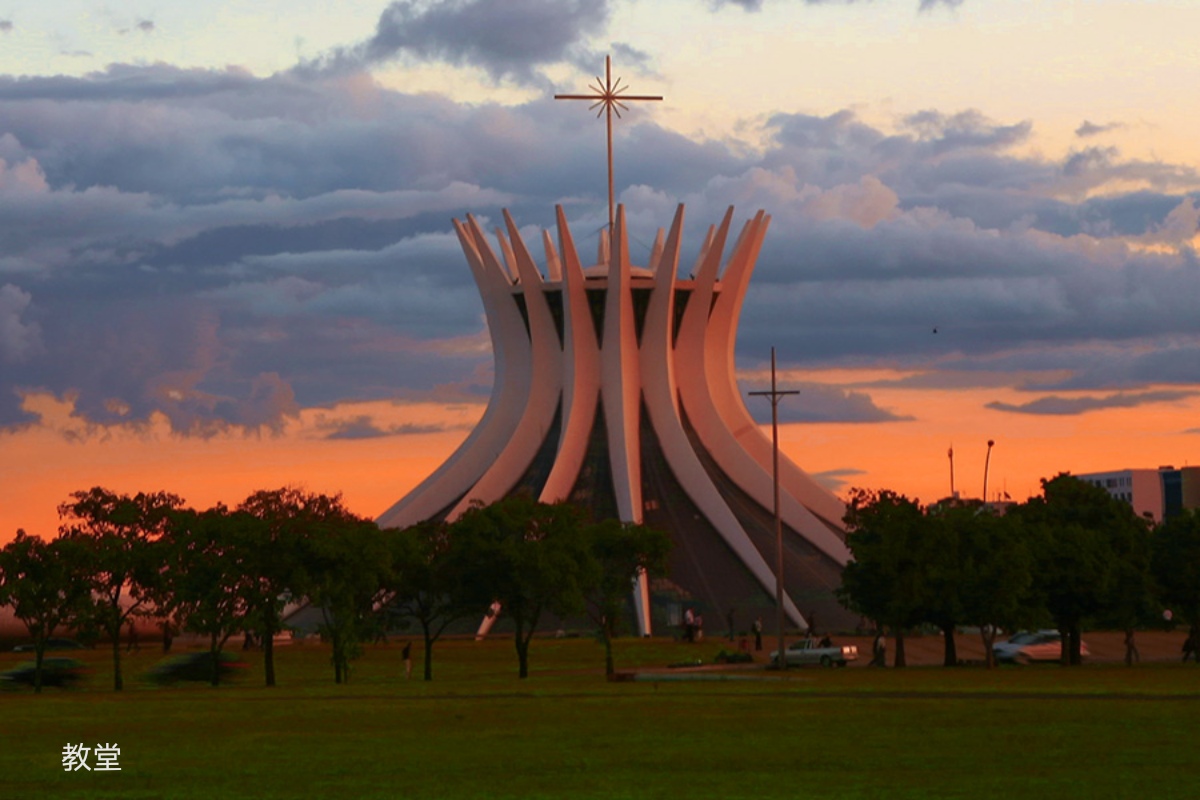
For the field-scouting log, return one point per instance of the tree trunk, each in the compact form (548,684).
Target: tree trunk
(988,634)
(269,655)
(900,660)
(215,651)
(609,668)
(522,657)
(118,681)
(39,653)
(428,650)
(1076,656)
(950,657)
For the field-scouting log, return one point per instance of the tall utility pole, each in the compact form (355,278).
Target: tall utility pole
(775,395)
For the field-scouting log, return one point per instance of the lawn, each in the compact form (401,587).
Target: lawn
(1098,731)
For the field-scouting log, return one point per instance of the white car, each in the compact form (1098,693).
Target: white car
(809,651)
(1029,646)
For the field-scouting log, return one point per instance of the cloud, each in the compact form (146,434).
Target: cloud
(141,26)
(6,26)
(965,129)
(511,39)
(836,479)
(756,5)
(217,250)
(19,340)
(1071,406)
(816,402)
(364,427)
(1088,129)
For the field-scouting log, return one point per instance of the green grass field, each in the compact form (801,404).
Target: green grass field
(1100,731)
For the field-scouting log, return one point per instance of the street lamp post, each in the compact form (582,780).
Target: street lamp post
(987,461)
(774,395)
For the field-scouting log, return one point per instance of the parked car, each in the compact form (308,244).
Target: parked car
(56,671)
(195,667)
(1027,647)
(810,651)
(53,643)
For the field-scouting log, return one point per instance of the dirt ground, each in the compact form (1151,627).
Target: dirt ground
(926,650)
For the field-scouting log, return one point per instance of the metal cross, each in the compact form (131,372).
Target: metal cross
(612,97)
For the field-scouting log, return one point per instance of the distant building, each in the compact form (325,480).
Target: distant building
(1156,493)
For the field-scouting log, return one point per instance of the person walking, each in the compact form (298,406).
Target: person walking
(879,650)
(758,634)
(1189,647)
(407,655)
(1131,652)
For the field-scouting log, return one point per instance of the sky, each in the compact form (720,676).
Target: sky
(227,261)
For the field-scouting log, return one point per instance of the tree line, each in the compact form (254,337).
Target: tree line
(1073,557)
(225,571)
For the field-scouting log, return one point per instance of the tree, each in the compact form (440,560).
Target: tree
(117,532)
(530,558)
(41,581)
(272,555)
(884,580)
(621,551)
(994,567)
(1175,560)
(347,571)
(205,582)
(1080,536)
(938,560)
(426,582)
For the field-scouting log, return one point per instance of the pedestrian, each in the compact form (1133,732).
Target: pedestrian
(1189,647)
(689,625)
(699,628)
(758,634)
(406,654)
(879,650)
(1131,651)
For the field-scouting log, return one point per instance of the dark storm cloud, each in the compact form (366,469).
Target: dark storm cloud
(1070,406)
(505,38)
(224,250)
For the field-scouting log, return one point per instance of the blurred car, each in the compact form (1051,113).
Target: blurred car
(56,671)
(195,667)
(53,643)
(1027,647)
(810,651)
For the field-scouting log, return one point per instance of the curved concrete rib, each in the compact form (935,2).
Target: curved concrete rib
(658,385)
(700,386)
(581,371)
(723,324)
(553,266)
(511,353)
(545,384)
(619,373)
